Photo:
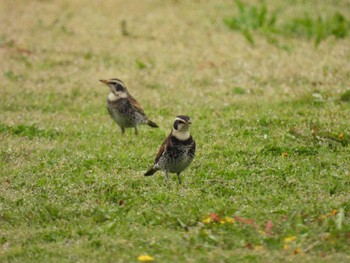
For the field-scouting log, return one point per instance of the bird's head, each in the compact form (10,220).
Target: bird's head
(117,87)
(181,127)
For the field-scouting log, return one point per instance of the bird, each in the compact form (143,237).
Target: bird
(177,151)
(124,108)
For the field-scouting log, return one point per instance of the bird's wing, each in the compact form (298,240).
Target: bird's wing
(166,144)
(193,148)
(135,104)
(110,112)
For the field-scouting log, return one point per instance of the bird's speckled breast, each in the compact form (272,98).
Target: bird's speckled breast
(123,113)
(179,156)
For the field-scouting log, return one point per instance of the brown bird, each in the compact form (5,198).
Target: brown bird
(124,108)
(177,151)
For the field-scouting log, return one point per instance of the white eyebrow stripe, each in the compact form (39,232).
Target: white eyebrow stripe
(118,82)
(179,119)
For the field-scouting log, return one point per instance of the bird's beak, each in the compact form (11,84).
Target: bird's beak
(189,122)
(104,81)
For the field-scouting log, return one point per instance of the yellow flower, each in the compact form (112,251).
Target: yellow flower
(290,239)
(229,220)
(145,258)
(222,221)
(333,213)
(340,136)
(285,154)
(206,220)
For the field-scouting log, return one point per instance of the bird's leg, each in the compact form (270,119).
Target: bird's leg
(178,177)
(123,130)
(136,131)
(166,177)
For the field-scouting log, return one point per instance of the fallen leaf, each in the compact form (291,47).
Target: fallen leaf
(268,228)
(249,246)
(206,64)
(296,132)
(325,236)
(24,51)
(215,217)
(348,235)
(245,221)
(334,212)
(298,251)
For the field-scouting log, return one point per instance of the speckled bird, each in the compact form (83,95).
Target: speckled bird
(177,151)
(124,108)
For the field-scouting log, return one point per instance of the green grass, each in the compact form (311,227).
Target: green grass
(258,18)
(272,130)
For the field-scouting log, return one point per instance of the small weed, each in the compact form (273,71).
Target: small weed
(10,75)
(251,19)
(345,96)
(319,136)
(140,65)
(67,31)
(238,91)
(5,42)
(257,19)
(88,55)
(143,64)
(319,28)
(123,28)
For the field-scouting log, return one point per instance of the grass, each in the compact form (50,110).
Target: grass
(258,18)
(270,181)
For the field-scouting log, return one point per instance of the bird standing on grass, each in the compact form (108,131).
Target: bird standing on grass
(177,151)
(124,108)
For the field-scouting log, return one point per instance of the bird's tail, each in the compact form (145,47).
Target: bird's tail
(152,124)
(151,171)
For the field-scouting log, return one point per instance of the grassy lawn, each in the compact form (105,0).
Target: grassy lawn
(270,106)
